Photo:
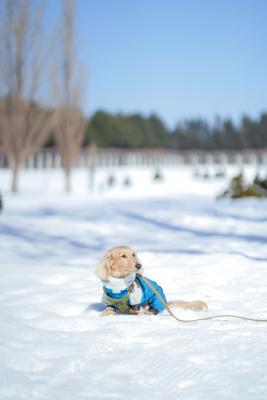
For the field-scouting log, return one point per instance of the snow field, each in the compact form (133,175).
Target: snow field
(53,342)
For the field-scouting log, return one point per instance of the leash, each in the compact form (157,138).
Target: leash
(197,319)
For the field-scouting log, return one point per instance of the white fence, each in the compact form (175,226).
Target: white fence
(49,158)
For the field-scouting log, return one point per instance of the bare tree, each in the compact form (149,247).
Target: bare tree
(24,125)
(69,123)
(70,126)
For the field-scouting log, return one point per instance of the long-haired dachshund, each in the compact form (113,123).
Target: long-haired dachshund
(125,291)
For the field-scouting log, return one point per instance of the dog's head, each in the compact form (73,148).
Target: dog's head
(118,263)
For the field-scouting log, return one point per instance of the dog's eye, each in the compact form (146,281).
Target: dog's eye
(124,256)
(133,255)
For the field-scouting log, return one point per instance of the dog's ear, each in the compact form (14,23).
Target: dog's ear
(104,266)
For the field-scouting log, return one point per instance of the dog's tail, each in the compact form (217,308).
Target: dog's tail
(195,305)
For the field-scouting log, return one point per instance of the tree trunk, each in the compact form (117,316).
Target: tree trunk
(67,181)
(15,176)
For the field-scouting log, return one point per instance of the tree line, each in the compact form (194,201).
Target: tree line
(138,131)
(223,134)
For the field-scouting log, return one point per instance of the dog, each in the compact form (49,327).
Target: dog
(124,290)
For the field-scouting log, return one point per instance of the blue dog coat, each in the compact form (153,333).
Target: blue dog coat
(121,293)
(149,297)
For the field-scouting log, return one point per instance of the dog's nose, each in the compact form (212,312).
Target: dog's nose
(138,266)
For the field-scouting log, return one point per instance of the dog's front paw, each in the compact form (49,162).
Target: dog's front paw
(135,309)
(108,311)
(151,311)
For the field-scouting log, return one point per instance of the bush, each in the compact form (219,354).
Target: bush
(260,182)
(238,189)
(127,182)
(220,174)
(111,181)
(158,176)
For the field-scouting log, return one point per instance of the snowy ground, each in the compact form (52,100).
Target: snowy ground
(53,342)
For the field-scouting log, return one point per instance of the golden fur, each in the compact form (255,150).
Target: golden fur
(118,262)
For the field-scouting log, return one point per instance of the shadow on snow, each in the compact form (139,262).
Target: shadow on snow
(196,232)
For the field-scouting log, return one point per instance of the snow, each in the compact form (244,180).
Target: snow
(53,342)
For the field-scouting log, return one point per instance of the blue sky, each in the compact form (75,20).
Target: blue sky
(177,58)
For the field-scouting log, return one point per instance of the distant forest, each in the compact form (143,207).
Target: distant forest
(138,131)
